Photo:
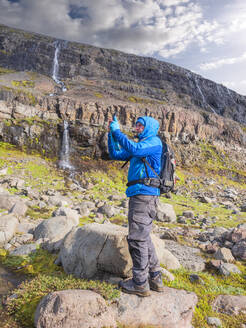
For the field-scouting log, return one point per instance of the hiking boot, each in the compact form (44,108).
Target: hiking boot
(128,286)
(156,283)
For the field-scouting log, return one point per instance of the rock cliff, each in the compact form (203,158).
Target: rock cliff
(100,83)
(116,70)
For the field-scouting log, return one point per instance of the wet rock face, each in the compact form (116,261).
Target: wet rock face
(27,51)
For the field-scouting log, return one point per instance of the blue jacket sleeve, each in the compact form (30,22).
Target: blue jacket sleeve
(139,149)
(120,155)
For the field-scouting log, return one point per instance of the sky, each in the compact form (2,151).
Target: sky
(204,36)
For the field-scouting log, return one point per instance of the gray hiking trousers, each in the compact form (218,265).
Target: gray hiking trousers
(142,210)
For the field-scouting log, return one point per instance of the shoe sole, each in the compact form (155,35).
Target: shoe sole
(141,294)
(157,289)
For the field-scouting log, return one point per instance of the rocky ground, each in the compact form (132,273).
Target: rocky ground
(49,219)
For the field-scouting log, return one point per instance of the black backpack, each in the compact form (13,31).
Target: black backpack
(166,180)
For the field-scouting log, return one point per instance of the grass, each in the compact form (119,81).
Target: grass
(5,70)
(23,83)
(210,286)
(31,292)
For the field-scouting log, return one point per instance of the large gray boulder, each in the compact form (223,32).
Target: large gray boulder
(19,208)
(54,230)
(8,226)
(74,308)
(230,304)
(165,212)
(84,309)
(171,309)
(8,201)
(95,248)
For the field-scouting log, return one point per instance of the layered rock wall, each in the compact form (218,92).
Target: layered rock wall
(20,50)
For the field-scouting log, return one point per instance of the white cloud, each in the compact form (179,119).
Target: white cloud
(221,62)
(165,27)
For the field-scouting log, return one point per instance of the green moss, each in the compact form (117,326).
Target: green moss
(30,293)
(210,286)
(39,213)
(25,84)
(224,216)
(85,219)
(7,53)
(98,95)
(5,70)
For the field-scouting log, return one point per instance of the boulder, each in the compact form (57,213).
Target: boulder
(19,208)
(108,210)
(171,309)
(24,250)
(237,235)
(84,309)
(189,214)
(165,212)
(68,212)
(230,304)
(74,308)
(189,257)
(227,268)
(8,226)
(8,201)
(58,200)
(243,207)
(103,247)
(239,250)
(55,229)
(224,254)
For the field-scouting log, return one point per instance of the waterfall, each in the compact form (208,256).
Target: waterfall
(56,67)
(203,98)
(64,162)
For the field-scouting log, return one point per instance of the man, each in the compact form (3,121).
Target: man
(143,199)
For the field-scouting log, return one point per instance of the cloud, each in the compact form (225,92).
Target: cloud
(146,27)
(221,62)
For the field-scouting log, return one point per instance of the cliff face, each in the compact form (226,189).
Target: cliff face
(192,111)
(115,70)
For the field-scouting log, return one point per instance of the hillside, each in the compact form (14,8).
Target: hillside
(52,88)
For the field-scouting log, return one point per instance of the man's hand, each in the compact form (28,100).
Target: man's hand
(114,125)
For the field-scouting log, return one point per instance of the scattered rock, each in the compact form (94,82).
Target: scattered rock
(194,278)
(74,308)
(239,250)
(108,254)
(19,209)
(188,214)
(55,229)
(8,226)
(227,268)
(214,321)
(24,250)
(188,256)
(243,208)
(108,210)
(172,308)
(165,212)
(230,304)
(8,201)
(224,254)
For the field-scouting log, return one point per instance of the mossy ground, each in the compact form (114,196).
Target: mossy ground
(107,178)
(207,288)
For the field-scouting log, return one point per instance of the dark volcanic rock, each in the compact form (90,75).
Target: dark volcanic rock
(147,76)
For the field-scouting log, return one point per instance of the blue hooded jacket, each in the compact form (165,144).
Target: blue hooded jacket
(149,146)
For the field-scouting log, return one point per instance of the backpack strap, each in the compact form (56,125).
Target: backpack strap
(147,163)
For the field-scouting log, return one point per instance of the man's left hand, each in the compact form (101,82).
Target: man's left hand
(114,126)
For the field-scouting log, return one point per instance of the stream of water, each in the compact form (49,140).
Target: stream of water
(56,67)
(64,162)
(8,280)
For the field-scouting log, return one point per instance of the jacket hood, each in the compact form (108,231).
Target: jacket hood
(151,127)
